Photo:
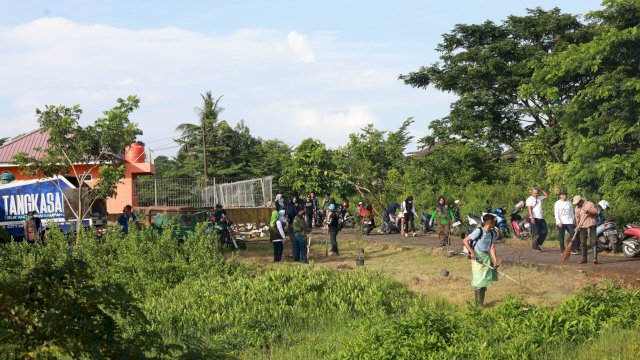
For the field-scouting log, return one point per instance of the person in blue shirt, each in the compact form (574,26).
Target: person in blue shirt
(481,247)
(126,217)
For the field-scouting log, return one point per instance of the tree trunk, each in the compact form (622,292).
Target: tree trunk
(204,150)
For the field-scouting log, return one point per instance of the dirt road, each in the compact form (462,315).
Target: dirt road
(516,252)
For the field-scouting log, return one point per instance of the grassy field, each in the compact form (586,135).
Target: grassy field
(419,269)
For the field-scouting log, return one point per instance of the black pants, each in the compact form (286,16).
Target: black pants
(408,219)
(570,229)
(539,232)
(591,232)
(278,247)
(333,236)
(309,218)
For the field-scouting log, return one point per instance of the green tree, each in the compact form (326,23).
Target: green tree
(601,120)
(271,157)
(485,65)
(71,145)
(194,137)
(311,168)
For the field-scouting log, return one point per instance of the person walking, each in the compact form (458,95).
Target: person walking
(332,227)
(565,219)
(538,224)
(443,217)
(277,234)
(484,263)
(299,233)
(291,212)
(409,214)
(586,212)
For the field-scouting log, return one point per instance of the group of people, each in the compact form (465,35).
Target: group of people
(295,219)
(580,219)
(442,217)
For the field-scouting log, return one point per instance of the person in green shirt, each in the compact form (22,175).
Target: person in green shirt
(299,234)
(443,217)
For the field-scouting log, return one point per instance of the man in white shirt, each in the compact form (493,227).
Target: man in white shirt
(538,224)
(565,218)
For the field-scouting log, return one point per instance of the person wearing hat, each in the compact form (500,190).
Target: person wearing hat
(276,233)
(586,219)
(332,226)
(565,219)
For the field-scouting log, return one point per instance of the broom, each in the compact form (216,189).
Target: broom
(566,254)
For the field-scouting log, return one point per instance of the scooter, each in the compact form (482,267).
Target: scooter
(456,225)
(631,240)
(607,235)
(390,226)
(367,225)
(426,223)
(318,220)
(345,218)
(521,226)
(501,222)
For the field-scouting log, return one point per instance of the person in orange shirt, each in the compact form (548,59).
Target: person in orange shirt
(586,226)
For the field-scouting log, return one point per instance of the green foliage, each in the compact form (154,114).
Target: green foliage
(311,168)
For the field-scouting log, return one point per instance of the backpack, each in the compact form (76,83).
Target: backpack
(474,241)
(274,234)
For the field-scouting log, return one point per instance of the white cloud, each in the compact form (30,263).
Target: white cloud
(262,73)
(300,47)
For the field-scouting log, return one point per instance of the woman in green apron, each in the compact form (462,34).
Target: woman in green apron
(481,247)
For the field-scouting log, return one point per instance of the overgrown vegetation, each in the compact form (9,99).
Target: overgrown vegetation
(144,295)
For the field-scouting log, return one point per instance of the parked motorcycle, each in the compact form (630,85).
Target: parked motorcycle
(345,218)
(521,226)
(631,240)
(318,220)
(390,226)
(607,235)
(502,227)
(426,223)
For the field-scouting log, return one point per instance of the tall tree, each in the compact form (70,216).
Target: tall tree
(71,145)
(485,65)
(198,133)
(601,121)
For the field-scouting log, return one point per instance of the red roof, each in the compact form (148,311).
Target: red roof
(27,143)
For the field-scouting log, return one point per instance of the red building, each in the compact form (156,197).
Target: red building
(134,160)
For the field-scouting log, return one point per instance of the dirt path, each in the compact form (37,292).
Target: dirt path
(515,252)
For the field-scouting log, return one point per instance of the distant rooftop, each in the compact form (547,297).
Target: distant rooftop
(27,143)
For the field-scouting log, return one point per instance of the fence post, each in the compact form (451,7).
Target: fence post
(155,192)
(264,194)
(215,192)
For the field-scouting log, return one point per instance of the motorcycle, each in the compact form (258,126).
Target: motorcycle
(607,235)
(367,225)
(476,222)
(631,240)
(345,218)
(318,219)
(456,225)
(426,224)
(227,236)
(501,221)
(521,226)
(390,225)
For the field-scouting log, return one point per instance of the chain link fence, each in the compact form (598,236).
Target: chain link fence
(188,192)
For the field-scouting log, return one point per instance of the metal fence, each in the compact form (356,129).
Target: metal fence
(187,192)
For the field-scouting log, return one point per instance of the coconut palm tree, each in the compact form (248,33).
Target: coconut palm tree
(208,121)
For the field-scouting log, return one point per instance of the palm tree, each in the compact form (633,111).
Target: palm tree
(208,120)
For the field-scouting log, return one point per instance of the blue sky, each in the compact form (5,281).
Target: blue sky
(289,69)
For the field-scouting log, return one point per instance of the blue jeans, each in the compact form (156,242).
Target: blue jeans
(539,232)
(300,249)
